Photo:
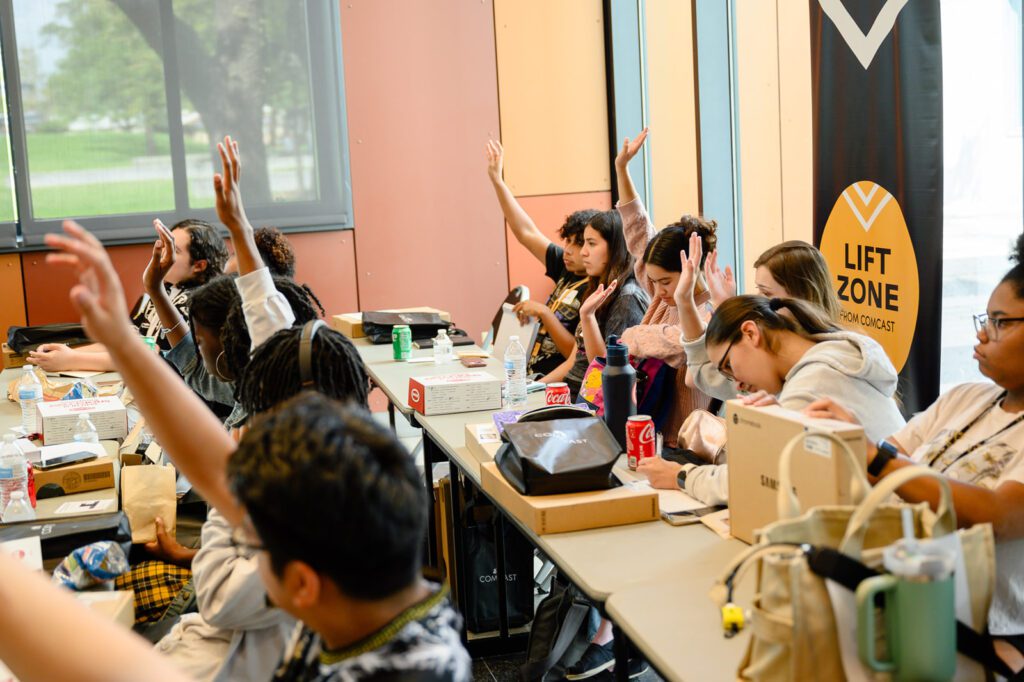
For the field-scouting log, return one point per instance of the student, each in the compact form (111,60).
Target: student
(791,354)
(612,300)
(792,269)
(364,606)
(200,256)
(974,435)
(563,265)
(658,264)
(275,251)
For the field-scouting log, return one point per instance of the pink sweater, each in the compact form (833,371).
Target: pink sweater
(657,335)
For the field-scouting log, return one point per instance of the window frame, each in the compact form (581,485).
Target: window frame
(330,145)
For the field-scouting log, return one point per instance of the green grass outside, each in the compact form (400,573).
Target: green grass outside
(147,196)
(84,150)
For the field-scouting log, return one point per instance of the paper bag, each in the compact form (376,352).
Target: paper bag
(147,491)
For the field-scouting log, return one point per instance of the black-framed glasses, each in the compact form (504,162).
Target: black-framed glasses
(241,542)
(993,325)
(724,371)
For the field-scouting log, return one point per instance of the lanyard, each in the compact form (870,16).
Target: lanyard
(956,436)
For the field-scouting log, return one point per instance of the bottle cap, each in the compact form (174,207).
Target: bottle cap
(17,495)
(513,338)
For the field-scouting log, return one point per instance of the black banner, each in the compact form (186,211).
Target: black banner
(877,98)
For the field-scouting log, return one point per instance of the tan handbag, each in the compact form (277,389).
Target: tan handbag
(793,633)
(704,434)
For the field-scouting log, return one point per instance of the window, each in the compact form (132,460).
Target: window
(983,202)
(116,107)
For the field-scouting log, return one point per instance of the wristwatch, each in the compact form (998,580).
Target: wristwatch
(886,453)
(681,476)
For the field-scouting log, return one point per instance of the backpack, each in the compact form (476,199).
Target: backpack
(655,388)
(557,624)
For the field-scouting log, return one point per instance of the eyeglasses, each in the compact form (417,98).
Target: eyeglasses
(724,371)
(993,325)
(241,542)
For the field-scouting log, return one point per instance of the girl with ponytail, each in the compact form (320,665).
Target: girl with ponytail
(787,352)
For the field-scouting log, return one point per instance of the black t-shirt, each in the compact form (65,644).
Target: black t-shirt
(565,303)
(147,320)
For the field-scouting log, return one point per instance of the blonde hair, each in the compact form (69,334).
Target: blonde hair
(802,271)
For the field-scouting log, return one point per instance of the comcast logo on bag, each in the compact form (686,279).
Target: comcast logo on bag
(562,436)
(493,577)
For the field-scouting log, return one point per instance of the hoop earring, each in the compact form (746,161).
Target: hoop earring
(216,367)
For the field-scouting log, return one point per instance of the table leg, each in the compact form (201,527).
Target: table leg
(430,455)
(620,646)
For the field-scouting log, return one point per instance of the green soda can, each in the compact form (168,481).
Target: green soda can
(401,342)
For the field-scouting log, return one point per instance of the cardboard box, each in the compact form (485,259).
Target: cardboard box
(57,419)
(546,514)
(756,438)
(483,441)
(79,478)
(12,359)
(351,324)
(118,605)
(458,392)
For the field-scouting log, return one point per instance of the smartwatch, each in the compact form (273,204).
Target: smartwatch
(886,453)
(681,476)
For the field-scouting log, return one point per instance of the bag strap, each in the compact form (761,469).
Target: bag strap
(788,504)
(536,670)
(849,572)
(853,541)
(721,592)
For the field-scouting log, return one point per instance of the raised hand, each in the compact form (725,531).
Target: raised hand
(630,148)
(590,306)
(226,189)
(495,159)
(689,272)
(721,283)
(98,297)
(162,259)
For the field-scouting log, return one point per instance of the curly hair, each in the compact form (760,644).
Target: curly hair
(1016,274)
(272,375)
(316,468)
(275,250)
(571,230)
(204,244)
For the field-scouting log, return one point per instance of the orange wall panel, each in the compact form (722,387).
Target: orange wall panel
(12,298)
(548,212)
(47,286)
(326,262)
(421,91)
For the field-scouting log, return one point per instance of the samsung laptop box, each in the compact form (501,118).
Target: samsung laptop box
(756,437)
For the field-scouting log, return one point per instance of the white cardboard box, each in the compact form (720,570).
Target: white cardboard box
(459,392)
(57,419)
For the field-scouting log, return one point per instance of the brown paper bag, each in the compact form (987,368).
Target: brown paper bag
(147,491)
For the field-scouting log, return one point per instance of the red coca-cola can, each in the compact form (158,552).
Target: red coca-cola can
(639,439)
(557,394)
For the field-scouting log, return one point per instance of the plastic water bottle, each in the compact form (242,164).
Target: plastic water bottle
(85,430)
(13,472)
(442,348)
(515,373)
(18,509)
(30,394)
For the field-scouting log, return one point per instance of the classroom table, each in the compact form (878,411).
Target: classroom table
(10,416)
(649,558)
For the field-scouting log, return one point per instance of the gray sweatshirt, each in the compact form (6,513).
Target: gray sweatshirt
(848,367)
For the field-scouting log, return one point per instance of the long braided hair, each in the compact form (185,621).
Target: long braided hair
(272,375)
(234,335)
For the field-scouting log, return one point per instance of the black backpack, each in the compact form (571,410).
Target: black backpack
(557,624)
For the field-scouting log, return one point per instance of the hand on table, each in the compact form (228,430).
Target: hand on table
(53,357)
(661,473)
(759,399)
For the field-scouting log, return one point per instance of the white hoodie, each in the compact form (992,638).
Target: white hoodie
(848,367)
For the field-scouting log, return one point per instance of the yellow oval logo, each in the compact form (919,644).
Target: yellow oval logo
(868,249)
